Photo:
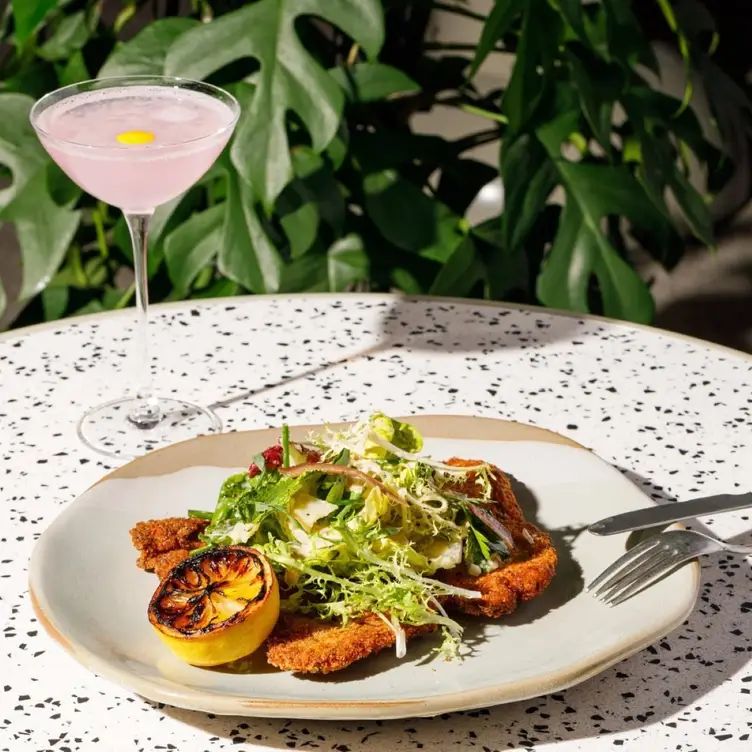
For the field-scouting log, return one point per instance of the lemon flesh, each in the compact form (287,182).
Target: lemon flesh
(135,138)
(216,607)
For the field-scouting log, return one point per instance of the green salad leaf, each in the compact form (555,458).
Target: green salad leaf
(369,533)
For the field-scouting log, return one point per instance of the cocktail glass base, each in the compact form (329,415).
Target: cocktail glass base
(107,430)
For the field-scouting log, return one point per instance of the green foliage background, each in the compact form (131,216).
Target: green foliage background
(324,186)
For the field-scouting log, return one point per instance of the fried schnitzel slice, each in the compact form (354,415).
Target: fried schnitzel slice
(163,544)
(306,645)
(528,571)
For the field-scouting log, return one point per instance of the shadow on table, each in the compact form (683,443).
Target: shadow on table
(433,325)
(645,689)
(429,326)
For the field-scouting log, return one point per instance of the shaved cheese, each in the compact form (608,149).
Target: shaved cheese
(444,554)
(303,545)
(308,510)
(242,532)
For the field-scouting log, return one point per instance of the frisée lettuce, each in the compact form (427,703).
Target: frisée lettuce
(357,521)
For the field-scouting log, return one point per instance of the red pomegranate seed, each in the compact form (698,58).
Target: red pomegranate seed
(272,458)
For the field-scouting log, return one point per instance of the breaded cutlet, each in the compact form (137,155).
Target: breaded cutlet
(163,544)
(303,644)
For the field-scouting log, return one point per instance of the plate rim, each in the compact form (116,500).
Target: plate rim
(469,699)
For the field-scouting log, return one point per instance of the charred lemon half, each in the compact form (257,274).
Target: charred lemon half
(216,607)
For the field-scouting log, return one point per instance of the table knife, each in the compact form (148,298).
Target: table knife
(664,514)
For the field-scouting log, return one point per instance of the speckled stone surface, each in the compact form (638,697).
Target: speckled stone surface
(674,415)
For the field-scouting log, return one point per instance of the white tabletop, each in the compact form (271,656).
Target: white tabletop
(674,414)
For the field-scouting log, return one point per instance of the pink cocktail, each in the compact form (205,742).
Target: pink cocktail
(137,142)
(136,147)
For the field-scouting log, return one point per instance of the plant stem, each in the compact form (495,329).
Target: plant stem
(454,100)
(285,445)
(457,47)
(352,56)
(79,273)
(473,110)
(94,14)
(668,13)
(450,46)
(126,297)
(477,139)
(459,10)
(98,219)
(146,413)
(204,277)
(123,17)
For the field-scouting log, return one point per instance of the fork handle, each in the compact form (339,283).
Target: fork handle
(663,514)
(744,550)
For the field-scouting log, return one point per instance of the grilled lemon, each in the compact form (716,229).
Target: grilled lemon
(216,607)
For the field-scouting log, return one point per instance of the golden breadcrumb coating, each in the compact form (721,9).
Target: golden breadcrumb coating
(306,645)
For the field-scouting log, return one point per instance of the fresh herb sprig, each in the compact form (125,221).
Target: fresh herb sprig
(285,445)
(199,514)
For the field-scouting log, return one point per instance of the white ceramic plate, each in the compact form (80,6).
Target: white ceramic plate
(91,597)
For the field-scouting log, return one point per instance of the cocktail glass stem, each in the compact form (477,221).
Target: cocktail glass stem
(146,413)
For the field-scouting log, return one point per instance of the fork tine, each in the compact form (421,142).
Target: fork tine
(651,577)
(622,561)
(613,584)
(654,563)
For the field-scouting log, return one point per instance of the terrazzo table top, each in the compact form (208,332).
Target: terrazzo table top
(673,414)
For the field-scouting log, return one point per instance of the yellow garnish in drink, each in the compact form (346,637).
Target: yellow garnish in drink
(135,138)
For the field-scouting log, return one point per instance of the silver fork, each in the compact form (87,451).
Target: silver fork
(650,560)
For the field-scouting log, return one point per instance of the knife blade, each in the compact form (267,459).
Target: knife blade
(664,514)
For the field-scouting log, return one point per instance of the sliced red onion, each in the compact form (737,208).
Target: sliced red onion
(329,469)
(492,524)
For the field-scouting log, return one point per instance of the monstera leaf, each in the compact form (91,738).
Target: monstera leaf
(499,20)
(347,263)
(144,55)
(69,37)
(20,150)
(290,79)
(193,245)
(28,14)
(581,250)
(312,196)
(246,253)
(44,228)
(409,218)
(370,82)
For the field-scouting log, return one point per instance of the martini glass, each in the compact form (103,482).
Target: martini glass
(136,142)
